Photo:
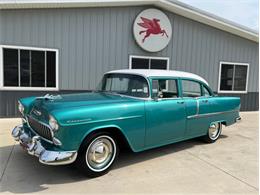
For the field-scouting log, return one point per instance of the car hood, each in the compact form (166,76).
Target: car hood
(79,100)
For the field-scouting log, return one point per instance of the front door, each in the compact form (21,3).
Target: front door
(165,115)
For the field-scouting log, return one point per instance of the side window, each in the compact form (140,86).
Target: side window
(164,88)
(206,91)
(191,88)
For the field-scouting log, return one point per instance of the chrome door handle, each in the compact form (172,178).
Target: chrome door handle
(180,102)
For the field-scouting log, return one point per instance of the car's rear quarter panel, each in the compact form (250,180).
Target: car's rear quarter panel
(216,109)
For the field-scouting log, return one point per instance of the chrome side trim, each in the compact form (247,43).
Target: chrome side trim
(209,114)
(197,106)
(102,120)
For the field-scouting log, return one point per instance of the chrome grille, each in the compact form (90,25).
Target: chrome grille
(41,129)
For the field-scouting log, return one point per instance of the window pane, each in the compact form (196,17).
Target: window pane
(240,78)
(125,84)
(226,81)
(158,64)
(164,88)
(10,67)
(190,89)
(51,69)
(140,63)
(38,69)
(119,84)
(25,67)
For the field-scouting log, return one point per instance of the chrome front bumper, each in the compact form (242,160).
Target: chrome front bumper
(34,147)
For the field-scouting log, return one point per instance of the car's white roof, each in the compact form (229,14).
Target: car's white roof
(161,73)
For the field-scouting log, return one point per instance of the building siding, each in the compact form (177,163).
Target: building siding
(92,41)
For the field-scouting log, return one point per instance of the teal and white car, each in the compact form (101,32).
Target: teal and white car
(141,109)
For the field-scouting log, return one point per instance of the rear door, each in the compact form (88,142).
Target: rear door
(197,106)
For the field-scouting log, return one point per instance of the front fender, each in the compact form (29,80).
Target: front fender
(75,125)
(106,127)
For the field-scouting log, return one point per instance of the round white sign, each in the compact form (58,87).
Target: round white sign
(152,30)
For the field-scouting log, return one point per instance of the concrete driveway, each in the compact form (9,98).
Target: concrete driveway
(228,166)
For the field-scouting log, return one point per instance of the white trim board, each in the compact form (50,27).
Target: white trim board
(170,5)
(17,88)
(235,64)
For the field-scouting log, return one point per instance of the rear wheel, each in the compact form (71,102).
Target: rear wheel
(97,154)
(213,133)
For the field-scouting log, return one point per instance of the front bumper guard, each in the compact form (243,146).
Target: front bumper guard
(35,148)
(238,119)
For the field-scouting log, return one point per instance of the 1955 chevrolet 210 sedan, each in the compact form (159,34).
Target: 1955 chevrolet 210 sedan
(141,109)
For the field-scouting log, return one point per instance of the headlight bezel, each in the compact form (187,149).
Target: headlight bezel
(53,123)
(21,107)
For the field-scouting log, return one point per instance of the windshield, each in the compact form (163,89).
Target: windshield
(125,84)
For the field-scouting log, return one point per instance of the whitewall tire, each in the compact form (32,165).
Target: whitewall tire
(97,154)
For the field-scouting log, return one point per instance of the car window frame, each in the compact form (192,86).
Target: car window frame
(202,95)
(165,78)
(192,80)
(136,74)
(208,89)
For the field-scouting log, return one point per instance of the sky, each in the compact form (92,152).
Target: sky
(243,12)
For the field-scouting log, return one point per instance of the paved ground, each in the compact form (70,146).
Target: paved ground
(228,166)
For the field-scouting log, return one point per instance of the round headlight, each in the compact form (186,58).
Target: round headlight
(20,107)
(53,123)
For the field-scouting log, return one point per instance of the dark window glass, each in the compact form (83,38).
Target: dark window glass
(51,69)
(25,68)
(190,89)
(226,77)
(158,64)
(140,63)
(38,68)
(240,78)
(10,67)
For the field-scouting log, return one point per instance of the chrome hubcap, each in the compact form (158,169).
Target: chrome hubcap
(100,153)
(214,130)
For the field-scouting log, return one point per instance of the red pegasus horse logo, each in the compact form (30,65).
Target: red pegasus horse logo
(152,26)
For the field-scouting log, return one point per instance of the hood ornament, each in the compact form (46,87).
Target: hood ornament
(50,97)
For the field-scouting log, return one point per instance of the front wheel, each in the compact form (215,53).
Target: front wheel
(97,154)
(213,133)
